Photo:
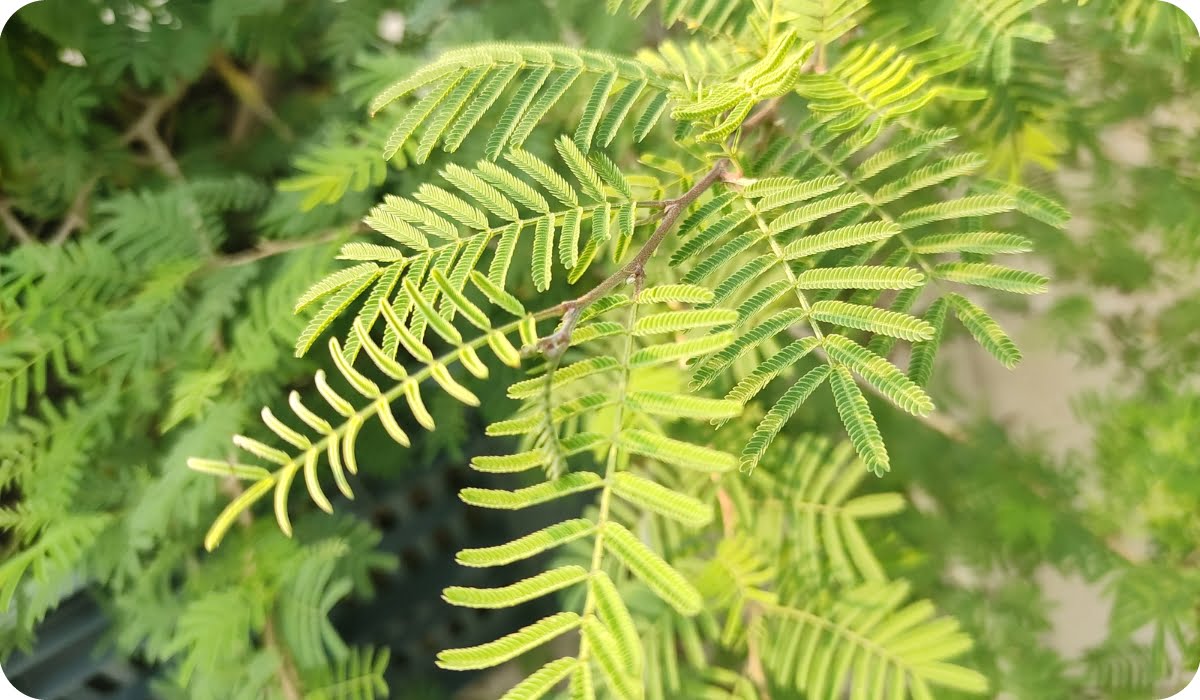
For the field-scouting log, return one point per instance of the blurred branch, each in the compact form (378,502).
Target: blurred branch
(289,678)
(267,249)
(15,228)
(74,218)
(145,130)
(250,91)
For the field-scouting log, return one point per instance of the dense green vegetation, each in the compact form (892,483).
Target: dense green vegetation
(698,266)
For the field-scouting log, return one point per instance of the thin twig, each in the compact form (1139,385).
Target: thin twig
(728,511)
(145,129)
(632,271)
(250,89)
(74,218)
(268,249)
(655,203)
(15,228)
(289,677)
(754,667)
(765,112)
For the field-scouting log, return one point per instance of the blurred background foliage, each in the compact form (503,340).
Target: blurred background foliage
(174,173)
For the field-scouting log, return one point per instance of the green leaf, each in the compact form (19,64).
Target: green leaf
(836,239)
(510,646)
(612,611)
(568,243)
(528,546)
(681,293)
(678,321)
(859,277)
(485,97)
(592,110)
(670,352)
(814,211)
(920,363)
(874,505)
(650,116)
(704,212)
(661,500)
(608,657)
(544,492)
(930,175)
(967,207)
(912,147)
(712,367)
(460,303)
(860,424)
(564,376)
(531,588)
(783,410)
(985,330)
(611,174)
(337,303)
(370,251)
(517,105)
(452,206)
(435,320)
(543,680)
(778,192)
(872,319)
(224,521)
(512,186)
(335,281)
(582,686)
(545,175)
(1031,203)
(583,171)
(753,383)
(510,464)
(419,114)
(497,295)
(545,102)
(671,451)
(491,198)
(667,405)
(879,373)
(219,468)
(658,575)
(982,242)
(543,242)
(992,276)
(622,103)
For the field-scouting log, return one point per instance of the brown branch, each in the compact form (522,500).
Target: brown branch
(15,228)
(635,270)
(250,90)
(75,217)
(145,129)
(289,678)
(821,57)
(267,249)
(655,204)
(767,111)
(754,668)
(632,271)
(728,511)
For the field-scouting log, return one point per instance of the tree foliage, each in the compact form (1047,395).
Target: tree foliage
(694,266)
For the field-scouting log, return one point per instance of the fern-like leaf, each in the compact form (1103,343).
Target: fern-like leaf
(510,646)
(537,586)
(860,423)
(659,576)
